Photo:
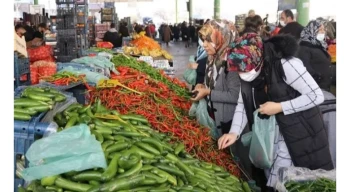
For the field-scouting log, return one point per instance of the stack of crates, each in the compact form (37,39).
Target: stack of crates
(71,29)
(66,47)
(21,71)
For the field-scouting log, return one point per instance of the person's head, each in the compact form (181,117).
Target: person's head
(112,25)
(253,24)
(42,27)
(20,31)
(216,36)
(287,16)
(251,13)
(315,33)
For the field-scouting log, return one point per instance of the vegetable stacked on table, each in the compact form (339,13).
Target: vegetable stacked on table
(64,78)
(166,111)
(323,184)
(139,159)
(35,100)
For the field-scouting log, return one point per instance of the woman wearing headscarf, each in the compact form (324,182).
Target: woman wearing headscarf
(313,53)
(220,87)
(277,83)
(200,64)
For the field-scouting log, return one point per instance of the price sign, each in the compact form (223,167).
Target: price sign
(106,83)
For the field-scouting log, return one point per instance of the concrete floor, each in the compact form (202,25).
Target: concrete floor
(181,55)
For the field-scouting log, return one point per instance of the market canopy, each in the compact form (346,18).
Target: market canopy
(118,1)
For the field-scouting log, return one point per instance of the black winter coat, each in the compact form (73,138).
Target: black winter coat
(304,132)
(114,38)
(317,62)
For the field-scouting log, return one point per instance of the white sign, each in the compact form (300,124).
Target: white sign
(34,9)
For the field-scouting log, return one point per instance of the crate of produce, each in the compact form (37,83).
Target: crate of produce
(58,2)
(100,35)
(107,18)
(81,19)
(65,32)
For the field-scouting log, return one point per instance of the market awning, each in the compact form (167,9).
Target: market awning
(118,1)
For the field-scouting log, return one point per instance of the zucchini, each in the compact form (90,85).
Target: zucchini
(38,98)
(40,108)
(22,116)
(26,111)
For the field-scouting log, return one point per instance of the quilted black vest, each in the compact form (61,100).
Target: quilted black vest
(304,132)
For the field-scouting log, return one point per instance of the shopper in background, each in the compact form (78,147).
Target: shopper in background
(251,13)
(277,83)
(192,33)
(220,87)
(176,32)
(313,53)
(185,34)
(167,34)
(20,31)
(289,25)
(42,29)
(113,36)
(29,35)
(123,29)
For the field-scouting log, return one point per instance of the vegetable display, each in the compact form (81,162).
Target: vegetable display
(139,159)
(324,185)
(35,100)
(64,78)
(166,112)
(175,85)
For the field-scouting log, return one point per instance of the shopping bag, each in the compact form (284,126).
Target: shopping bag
(73,149)
(261,140)
(200,111)
(190,76)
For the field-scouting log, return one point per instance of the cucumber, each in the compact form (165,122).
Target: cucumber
(26,111)
(43,94)
(38,98)
(25,102)
(22,116)
(40,108)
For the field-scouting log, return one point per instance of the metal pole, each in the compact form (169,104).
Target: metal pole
(191,10)
(36,2)
(176,10)
(216,9)
(303,12)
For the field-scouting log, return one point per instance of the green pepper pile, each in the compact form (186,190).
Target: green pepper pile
(139,159)
(97,49)
(35,100)
(321,185)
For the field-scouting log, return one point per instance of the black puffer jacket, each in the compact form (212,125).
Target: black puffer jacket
(304,132)
(317,62)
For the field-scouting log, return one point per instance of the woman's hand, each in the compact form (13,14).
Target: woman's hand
(227,140)
(193,65)
(199,86)
(202,92)
(270,108)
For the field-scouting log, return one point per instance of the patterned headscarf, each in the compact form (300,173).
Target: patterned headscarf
(309,34)
(220,33)
(245,53)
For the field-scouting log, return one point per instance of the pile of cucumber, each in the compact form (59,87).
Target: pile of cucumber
(35,100)
(139,159)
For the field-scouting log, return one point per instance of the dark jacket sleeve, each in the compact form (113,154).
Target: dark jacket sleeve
(231,95)
(201,70)
(304,55)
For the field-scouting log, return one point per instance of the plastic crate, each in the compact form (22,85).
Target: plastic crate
(80,93)
(65,2)
(24,136)
(81,19)
(100,35)
(21,69)
(66,22)
(64,12)
(65,32)
(107,11)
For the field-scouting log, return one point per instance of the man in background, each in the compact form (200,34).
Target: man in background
(113,36)
(289,25)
